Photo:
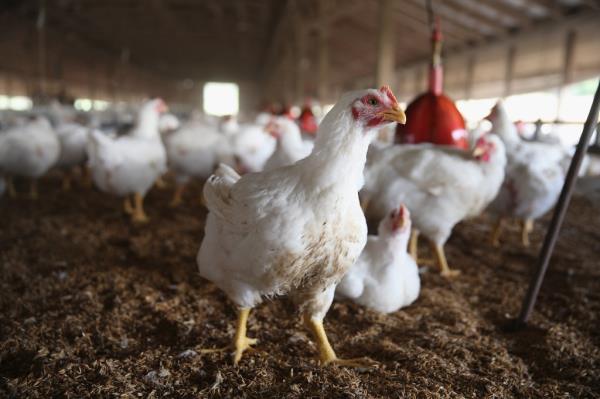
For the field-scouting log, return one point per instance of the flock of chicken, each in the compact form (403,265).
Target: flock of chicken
(288,212)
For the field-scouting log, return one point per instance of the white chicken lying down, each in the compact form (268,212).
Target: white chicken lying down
(535,173)
(193,152)
(29,151)
(295,230)
(385,277)
(290,146)
(439,185)
(130,164)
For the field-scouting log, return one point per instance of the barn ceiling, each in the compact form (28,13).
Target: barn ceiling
(179,40)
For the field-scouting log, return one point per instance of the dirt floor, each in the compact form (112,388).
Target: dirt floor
(92,306)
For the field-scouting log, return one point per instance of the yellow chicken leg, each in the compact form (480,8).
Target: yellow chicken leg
(33,190)
(127,207)
(327,355)
(241,341)
(160,183)
(526,229)
(177,196)
(66,181)
(10,186)
(138,214)
(414,244)
(495,237)
(442,262)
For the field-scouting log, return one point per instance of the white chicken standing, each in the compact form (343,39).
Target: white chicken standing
(130,164)
(385,277)
(30,151)
(295,230)
(440,186)
(535,173)
(73,139)
(193,152)
(290,146)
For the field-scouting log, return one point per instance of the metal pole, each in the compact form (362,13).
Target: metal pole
(559,212)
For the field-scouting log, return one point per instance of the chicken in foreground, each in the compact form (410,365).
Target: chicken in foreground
(28,151)
(385,277)
(129,165)
(440,185)
(535,174)
(295,230)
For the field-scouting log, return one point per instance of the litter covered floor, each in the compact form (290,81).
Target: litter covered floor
(93,305)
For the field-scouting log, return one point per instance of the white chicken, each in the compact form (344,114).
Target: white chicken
(535,173)
(295,230)
(193,152)
(251,147)
(30,151)
(385,277)
(290,146)
(130,164)
(439,185)
(168,123)
(73,139)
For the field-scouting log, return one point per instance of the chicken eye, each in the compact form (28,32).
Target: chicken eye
(372,101)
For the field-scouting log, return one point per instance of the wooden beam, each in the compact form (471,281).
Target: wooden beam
(323,52)
(385,60)
(451,26)
(550,6)
(510,70)
(507,9)
(475,14)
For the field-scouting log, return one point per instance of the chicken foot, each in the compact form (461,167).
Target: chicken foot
(241,342)
(160,183)
(525,230)
(177,196)
(33,190)
(327,355)
(66,181)
(10,186)
(497,232)
(442,262)
(127,207)
(138,214)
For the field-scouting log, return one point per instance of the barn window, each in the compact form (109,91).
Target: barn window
(221,98)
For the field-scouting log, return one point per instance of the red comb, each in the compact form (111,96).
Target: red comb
(388,92)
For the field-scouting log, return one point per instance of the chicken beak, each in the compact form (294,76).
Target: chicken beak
(400,219)
(396,114)
(478,152)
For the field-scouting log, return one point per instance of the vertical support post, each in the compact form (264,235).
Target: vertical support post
(470,73)
(568,65)
(559,212)
(323,89)
(299,60)
(384,74)
(510,68)
(41,29)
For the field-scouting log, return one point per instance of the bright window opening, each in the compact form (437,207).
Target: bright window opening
(16,103)
(221,98)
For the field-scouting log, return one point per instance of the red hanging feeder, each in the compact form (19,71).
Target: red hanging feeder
(432,117)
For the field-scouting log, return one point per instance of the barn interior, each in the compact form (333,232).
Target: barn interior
(96,305)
